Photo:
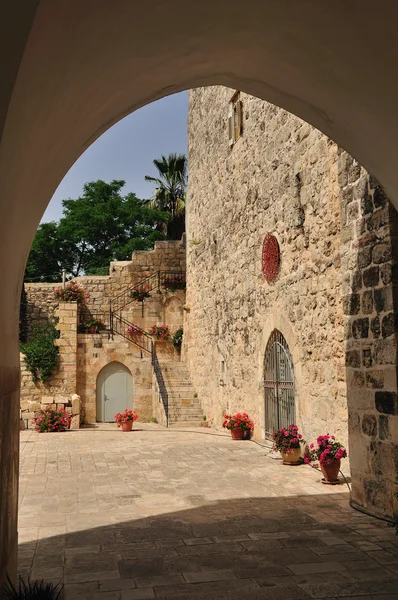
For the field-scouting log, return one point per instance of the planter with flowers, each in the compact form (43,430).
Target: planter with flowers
(72,292)
(126,419)
(51,420)
(329,453)
(140,293)
(161,335)
(174,282)
(240,425)
(134,332)
(94,325)
(288,441)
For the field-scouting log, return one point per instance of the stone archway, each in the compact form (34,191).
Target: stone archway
(74,69)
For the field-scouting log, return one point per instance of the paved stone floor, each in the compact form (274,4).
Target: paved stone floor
(191,514)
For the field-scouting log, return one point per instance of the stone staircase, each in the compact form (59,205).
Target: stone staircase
(184,409)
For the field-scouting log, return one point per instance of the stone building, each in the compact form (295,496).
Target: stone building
(317,344)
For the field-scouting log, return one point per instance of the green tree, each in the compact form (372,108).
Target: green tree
(100,226)
(45,258)
(170,192)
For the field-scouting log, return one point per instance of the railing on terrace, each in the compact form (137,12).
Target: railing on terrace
(155,283)
(85,315)
(161,384)
(139,337)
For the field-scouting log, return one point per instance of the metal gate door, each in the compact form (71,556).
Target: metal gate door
(278,384)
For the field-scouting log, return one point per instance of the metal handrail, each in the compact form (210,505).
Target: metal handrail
(161,383)
(142,340)
(154,282)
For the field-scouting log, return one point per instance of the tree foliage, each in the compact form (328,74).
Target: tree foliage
(100,226)
(41,353)
(170,192)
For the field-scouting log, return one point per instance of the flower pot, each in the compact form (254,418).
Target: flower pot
(127,426)
(237,433)
(248,434)
(92,329)
(293,457)
(331,471)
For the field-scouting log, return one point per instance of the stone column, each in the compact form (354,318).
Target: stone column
(370,301)
(66,314)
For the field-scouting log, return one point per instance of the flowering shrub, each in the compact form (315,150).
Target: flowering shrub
(133,330)
(287,438)
(327,450)
(238,421)
(49,420)
(141,293)
(94,322)
(72,292)
(175,282)
(176,340)
(125,416)
(160,332)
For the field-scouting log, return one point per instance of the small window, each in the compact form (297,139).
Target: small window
(235,120)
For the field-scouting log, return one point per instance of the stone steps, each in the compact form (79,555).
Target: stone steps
(184,409)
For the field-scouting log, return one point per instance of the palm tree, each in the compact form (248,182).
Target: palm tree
(169,194)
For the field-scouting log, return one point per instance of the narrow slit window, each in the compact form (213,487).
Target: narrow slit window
(235,120)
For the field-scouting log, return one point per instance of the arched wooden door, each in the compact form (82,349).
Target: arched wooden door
(114,391)
(278,384)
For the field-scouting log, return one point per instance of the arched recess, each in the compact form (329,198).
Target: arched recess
(173,313)
(114,391)
(277,321)
(279,410)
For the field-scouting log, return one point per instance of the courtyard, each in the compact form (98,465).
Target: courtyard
(191,514)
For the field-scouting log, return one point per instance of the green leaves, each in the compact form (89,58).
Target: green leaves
(100,226)
(41,354)
(170,191)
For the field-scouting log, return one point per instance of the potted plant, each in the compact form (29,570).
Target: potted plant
(176,340)
(329,453)
(134,331)
(160,332)
(239,424)
(287,441)
(94,325)
(72,292)
(140,293)
(51,420)
(126,419)
(175,282)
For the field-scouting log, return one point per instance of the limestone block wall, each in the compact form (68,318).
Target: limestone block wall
(58,390)
(370,300)
(281,176)
(94,353)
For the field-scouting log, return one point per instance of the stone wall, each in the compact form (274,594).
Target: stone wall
(58,390)
(369,259)
(281,176)
(97,351)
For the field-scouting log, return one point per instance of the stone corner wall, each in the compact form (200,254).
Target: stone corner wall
(370,301)
(59,389)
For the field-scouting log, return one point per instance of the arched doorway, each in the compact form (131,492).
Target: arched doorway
(114,391)
(278,384)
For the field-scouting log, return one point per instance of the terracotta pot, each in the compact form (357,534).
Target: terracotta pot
(127,426)
(92,329)
(293,457)
(331,471)
(238,433)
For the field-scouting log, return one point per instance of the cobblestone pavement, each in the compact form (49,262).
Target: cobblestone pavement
(191,514)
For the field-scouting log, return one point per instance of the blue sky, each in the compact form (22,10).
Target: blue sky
(126,151)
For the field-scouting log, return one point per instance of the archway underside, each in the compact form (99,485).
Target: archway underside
(86,65)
